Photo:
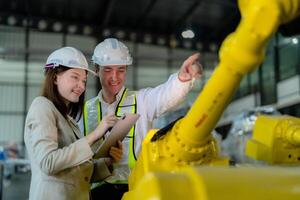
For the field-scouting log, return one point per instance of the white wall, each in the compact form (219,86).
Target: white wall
(288,92)
(153,68)
(246,103)
(12,76)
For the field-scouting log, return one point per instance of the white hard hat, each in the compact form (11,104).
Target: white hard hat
(111,52)
(68,57)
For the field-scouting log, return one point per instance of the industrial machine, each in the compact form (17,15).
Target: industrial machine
(241,131)
(182,162)
(276,140)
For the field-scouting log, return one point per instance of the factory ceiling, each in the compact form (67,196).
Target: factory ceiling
(148,21)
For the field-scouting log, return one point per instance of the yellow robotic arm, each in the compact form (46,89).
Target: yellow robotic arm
(275,140)
(190,142)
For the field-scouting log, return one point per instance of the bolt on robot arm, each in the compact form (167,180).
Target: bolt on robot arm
(190,142)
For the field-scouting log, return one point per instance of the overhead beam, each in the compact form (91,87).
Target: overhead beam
(141,19)
(107,15)
(189,12)
(225,25)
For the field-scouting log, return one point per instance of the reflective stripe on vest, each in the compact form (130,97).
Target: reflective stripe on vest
(131,154)
(85,117)
(122,107)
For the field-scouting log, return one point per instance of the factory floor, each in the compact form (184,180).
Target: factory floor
(16,187)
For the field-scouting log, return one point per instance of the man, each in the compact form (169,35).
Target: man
(111,58)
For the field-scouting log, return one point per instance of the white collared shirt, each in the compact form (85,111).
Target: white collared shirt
(151,103)
(109,108)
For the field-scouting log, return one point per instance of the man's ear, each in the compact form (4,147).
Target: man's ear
(97,68)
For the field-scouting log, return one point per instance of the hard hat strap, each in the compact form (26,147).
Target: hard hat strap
(51,66)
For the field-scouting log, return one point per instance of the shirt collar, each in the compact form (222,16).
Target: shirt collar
(118,96)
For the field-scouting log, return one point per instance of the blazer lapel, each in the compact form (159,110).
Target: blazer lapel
(74,127)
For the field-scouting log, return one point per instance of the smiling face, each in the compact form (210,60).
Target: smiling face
(112,79)
(71,84)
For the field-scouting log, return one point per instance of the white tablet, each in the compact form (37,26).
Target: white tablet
(118,132)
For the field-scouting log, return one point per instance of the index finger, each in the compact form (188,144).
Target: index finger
(194,58)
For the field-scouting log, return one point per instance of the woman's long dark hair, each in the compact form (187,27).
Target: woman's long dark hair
(50,91)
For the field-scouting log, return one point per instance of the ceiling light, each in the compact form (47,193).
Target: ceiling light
(161,41)
(24,22)
(42,24)
(147,38)
(188,34)
(213,47)
(199,46)
(120,34)
(11,20)
(106,32)
(87,30)
(72,29)
(173,42)
(187,44)
(57,26)
(132,36)
(295,40)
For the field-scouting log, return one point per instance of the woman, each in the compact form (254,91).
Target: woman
(61,161)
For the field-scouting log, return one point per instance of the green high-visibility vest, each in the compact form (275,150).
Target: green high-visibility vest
(92,115)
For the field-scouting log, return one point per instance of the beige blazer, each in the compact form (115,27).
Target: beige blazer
(61,164)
